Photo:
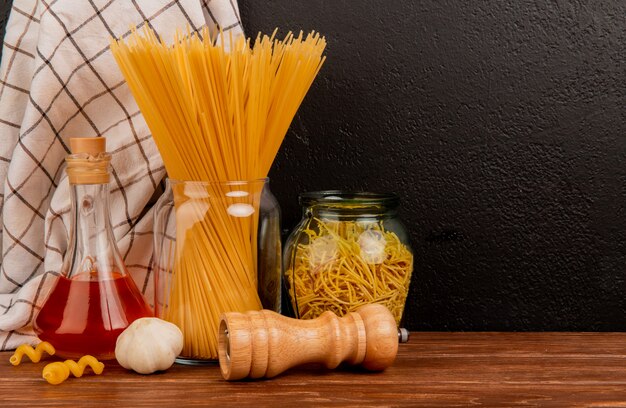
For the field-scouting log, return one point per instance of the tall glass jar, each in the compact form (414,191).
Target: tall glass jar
(348,250)
(217,249)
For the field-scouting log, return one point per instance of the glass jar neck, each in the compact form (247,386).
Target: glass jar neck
(339,212)
(92,250)
(346,205)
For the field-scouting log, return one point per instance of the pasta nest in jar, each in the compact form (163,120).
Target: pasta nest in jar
(347,264)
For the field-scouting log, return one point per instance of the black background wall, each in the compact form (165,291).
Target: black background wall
(501,124)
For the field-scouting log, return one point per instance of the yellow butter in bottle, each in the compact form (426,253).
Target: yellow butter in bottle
(349,249)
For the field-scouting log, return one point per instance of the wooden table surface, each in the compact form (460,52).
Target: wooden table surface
(433,369)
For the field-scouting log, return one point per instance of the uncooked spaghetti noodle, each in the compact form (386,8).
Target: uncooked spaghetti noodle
(346,264)
(216,114)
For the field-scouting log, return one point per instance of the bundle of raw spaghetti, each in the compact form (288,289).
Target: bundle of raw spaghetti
(216,113)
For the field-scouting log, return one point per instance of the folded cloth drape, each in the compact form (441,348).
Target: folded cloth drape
(58,80)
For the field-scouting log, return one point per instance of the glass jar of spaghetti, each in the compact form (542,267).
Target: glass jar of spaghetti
(348,250)
(217,249)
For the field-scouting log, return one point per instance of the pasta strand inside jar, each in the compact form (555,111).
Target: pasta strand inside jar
(346,264)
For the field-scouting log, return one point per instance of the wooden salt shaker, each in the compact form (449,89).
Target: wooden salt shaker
(264,344)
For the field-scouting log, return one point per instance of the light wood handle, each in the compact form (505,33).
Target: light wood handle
(264,344)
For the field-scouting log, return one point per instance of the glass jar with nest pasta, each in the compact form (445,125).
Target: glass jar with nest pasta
(348,250)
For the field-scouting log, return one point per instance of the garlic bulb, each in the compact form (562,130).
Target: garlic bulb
(149,344)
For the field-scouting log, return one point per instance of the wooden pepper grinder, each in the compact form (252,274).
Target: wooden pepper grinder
(264,344)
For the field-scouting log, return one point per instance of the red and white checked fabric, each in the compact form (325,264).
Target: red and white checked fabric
(58,80)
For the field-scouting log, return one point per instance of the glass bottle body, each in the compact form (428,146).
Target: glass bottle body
(94,298)
(348,250)
(217,249)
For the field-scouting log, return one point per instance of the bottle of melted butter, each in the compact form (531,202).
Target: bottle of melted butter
(94,298)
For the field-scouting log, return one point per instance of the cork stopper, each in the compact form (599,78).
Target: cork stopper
(89,145)
(89,161)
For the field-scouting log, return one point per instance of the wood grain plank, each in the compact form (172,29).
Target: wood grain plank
(433,369)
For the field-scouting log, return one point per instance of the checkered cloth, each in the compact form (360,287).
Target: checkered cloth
(59,80)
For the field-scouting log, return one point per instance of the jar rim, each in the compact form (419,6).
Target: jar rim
(340,197)
(217,183)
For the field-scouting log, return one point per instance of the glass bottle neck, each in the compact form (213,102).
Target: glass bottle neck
(92,253)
